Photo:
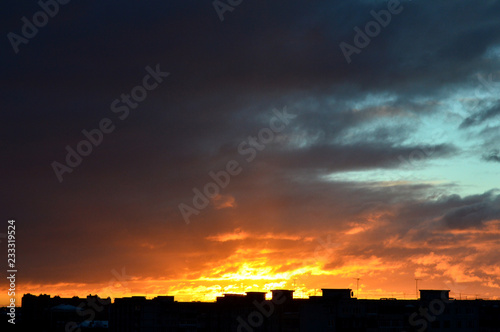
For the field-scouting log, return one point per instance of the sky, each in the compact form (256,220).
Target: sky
(195,148)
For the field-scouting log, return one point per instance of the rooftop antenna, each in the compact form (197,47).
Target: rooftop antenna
(357,287)
(416,287)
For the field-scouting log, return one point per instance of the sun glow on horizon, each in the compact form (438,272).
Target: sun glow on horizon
(251,269)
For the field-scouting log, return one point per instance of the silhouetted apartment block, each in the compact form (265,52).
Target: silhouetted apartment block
(282,295)
(431,294)
(336,293)
(43,313)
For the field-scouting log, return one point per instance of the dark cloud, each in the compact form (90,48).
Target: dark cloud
(470,216)
(481,116)
(335,158)
(473,211)
(493,156)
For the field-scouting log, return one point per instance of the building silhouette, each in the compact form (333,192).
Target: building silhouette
(335,310)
